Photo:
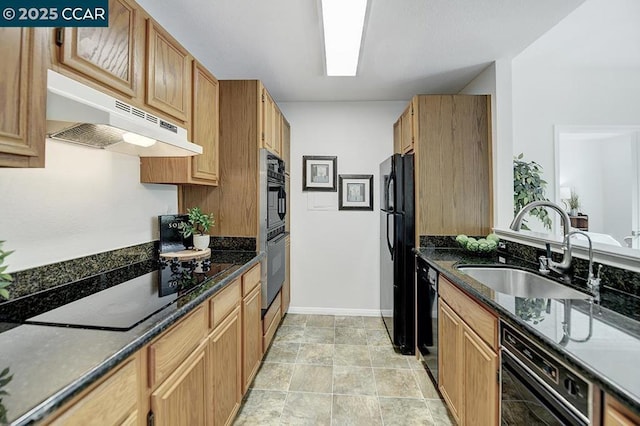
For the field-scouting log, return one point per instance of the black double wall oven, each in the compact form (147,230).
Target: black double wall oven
(273,235)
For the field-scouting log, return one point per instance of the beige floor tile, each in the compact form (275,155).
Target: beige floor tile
(353,380)
(313,409)
(289,334)
(282,352)
(273,376)
(261,408)
(439,412)
(320,321)
(355,410)
(295,320)
(425,384)
(355,355)
(396,383)
(386,357)
(315,353)
(319,335)
(350,322)
(378,338)
(405,411)
(373,323)
(351,336)
(312,378)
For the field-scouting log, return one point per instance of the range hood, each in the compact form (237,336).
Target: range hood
(80,114)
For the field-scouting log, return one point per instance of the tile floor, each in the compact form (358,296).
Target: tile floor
(333,370)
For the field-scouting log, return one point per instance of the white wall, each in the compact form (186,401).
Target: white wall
(84,201)
(335,254)
(584,71)
(495,80)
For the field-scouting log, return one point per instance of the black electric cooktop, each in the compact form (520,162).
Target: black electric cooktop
(122,299)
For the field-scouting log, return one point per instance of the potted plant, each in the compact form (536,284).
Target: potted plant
(574,203)
(5,279)
(198,226)
(529,186)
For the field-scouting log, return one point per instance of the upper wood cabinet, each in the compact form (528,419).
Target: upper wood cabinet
(168,73)
(406,129)
(271,124)
(286,145)
(111,56)
(199,169)
(397,136)
(23,97)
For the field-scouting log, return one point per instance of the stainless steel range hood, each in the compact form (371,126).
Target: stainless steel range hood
(80,114)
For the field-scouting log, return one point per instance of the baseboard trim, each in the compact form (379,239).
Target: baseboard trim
(334,311)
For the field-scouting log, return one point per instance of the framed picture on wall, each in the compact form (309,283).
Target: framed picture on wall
(356,192)
(319,173)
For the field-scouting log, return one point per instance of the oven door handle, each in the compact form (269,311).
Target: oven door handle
(282,203)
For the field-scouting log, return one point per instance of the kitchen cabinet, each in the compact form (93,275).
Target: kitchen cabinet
(251,326)
(198,169)
(468,359)
(225,358)
(286,286)
(397,136)
(23,101)
(111,56)
(452,163)
(286,145)
(112,401)
(168,87)
(181,398)
(271,120)
(234,202)
(616,414)
(271,321)
(407,129)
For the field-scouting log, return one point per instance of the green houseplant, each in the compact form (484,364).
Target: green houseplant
(5,279)
(198,226)
(529,186)
(574,203)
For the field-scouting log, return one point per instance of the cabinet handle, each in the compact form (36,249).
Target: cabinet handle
(59,36)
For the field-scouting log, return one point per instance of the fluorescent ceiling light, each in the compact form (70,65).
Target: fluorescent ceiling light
(343,22)
(136,139)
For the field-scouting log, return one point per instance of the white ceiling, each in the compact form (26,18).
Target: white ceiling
(409,46)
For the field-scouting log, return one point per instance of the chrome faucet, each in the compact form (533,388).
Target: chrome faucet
(565,264)
(593,282)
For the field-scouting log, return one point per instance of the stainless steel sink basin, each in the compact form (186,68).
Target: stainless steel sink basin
(519,283)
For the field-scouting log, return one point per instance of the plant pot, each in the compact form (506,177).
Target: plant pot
(573,212)
(201,242)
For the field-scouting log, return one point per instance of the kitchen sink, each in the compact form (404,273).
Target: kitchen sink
(520,283)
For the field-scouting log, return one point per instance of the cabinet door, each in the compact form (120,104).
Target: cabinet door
(406,130)
(109,55)
(23,98)
(450,355)
(616,414)
(286,145)
(251,336)
(397,136)
(168,73)
(206,115)
(268,123)
(180,400)
(225,349)
(480,381)
(286,286)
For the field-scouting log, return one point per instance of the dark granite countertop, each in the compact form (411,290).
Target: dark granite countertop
(608,358)
(48,365)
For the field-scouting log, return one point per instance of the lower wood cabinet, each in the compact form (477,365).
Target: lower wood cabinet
(113,401)
(251,336)
(616,414)
(468,363)
(181,398)
(225,361)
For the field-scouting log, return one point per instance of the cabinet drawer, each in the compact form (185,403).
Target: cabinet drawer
(250,279)
(112,402)
(224,303)
(271,314)
(480,320)
(175,345)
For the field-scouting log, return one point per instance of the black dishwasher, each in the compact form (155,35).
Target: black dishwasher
(427,316)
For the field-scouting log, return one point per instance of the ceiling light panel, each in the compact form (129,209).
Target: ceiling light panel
(343,22)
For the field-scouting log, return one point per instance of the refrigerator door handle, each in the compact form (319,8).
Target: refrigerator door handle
(388,196)
(389,246)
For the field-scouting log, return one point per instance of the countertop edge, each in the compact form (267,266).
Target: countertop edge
(57,400)
(603,382)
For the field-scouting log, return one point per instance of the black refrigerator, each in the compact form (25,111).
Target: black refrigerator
(397,261)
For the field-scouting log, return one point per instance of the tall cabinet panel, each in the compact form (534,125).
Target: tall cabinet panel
(112,56)
(23,99)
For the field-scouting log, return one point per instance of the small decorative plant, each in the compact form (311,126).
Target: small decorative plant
(5,279)
(529,186)
(199,223)
(574,202)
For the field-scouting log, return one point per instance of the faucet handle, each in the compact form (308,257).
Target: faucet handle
(544,265)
